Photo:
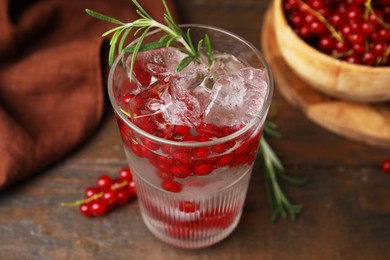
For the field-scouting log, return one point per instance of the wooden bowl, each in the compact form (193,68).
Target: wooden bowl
(329,75)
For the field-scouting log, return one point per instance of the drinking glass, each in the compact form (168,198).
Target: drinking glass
(191,193)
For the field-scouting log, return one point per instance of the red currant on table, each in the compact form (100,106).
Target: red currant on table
(104,182)
(386,166)
(107,195)
(97,207)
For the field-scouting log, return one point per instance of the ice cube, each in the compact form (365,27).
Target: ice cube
(236,99)
(160,63)
(225,64)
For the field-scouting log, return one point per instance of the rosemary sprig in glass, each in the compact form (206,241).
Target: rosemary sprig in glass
(273,171)
(173,33)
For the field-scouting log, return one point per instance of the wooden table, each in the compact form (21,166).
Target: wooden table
(346,209)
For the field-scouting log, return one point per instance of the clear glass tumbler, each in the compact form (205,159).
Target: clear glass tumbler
(191,194)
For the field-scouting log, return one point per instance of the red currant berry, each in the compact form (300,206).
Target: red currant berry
(123,196)
(84,209)
(131,188)
(224,160)
(386,166)
(354,13)
(203,169)
(201,152)
(297,20)
(369,58)
(104,182)
(164,175)
(359,48)
(125,174)
(110,198)
(356,38)
(172,186)
(383,34)
(353,58)
(326,43)
(152,145)
(317,27)
(182,155)
(97,207)
(91,191)
(368,27)
(188,206)
(304,32)
(181,170)
(336,19)
(181,130)
(379,48)
(346,30)
(317,4)
(341,46)
(375,16)
(126,99)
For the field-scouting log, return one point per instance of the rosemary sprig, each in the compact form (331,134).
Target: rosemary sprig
(273,170)
(173,33)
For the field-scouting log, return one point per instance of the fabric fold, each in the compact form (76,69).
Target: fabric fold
(52,78)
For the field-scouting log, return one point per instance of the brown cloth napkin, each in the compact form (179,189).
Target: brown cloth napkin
(51,78)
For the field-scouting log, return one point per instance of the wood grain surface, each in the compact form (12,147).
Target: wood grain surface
(346,210)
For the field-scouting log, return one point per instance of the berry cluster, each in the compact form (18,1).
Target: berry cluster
(356,31)
(173,163)
(107,194)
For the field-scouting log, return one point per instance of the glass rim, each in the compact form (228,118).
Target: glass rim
(262,113)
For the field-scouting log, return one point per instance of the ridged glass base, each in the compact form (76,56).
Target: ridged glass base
(192,220)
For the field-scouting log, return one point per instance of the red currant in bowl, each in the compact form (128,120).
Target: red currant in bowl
(343,51)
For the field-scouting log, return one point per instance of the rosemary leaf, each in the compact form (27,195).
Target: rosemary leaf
(292,180)
(113,41)
(199,48)
(141,10)
(145,47)
(103,17)
(123,39)
(209,50)
(136,50)
(184,63)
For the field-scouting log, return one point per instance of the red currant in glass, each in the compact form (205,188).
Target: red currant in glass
(203,169)
(188,206)
(171,185)
(181,170)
